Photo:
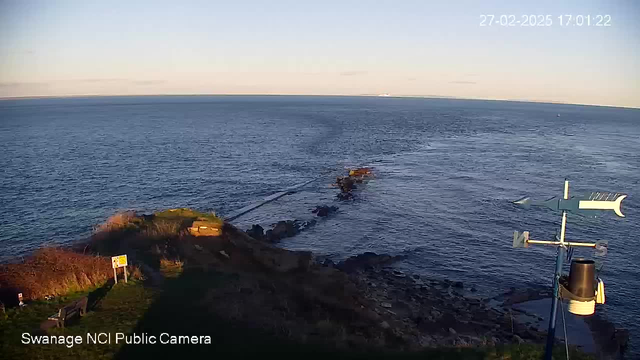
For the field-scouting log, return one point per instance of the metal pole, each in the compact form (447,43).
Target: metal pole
(125,274)
(551,333)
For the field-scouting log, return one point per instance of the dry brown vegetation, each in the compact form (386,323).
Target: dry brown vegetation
(117,221)
(52,271)
(127,232)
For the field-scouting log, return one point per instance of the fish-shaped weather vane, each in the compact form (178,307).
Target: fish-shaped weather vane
(597,201)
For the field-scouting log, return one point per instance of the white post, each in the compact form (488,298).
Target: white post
(125,274)
(115,276)
(564,213)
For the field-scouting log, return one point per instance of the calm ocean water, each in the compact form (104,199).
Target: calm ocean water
(447,171)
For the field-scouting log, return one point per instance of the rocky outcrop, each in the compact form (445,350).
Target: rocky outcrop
(281,230)
(268,256)
(348,183)
(256,232)
(434,313)
(345,183)
(324,210)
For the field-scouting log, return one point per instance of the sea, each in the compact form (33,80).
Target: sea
(446,174)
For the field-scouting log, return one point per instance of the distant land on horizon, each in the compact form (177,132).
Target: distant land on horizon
(5,98)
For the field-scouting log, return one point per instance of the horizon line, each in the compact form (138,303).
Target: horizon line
(28,97)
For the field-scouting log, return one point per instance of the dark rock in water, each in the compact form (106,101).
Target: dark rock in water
(268,235)
(458,284)
(282,230)
(346,184)
(324,210)
(256,232)
(365,261)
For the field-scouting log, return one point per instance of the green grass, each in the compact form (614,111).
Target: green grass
(179,309)
(118,311)
(188,214)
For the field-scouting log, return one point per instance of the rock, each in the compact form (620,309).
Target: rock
(386,305)
(384,325)
(324,210)
(256,232)
(415,277)
(458,284)
(223,253)
(452,331)
(426,341)
(365,261)
(473,289)
(345,196)
(267,255)
(517,339)
(345,183)
(328,263)
(282,230)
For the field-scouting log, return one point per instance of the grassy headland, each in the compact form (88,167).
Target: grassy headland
(248,296)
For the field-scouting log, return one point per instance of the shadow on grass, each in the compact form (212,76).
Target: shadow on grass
(94,297)
(179,311)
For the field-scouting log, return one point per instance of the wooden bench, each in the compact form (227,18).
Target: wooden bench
(78,307)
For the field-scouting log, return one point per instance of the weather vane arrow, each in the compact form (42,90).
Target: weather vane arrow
(595,202)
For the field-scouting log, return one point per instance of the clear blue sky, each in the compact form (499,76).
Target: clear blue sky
(424,48)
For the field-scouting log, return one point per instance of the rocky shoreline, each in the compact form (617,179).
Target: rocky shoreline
(428,312)
(432,312)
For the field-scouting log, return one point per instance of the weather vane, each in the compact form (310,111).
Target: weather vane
(581,291)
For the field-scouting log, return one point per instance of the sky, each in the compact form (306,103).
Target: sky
(403,48)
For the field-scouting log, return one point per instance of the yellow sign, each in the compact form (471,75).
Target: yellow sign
(119,261)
